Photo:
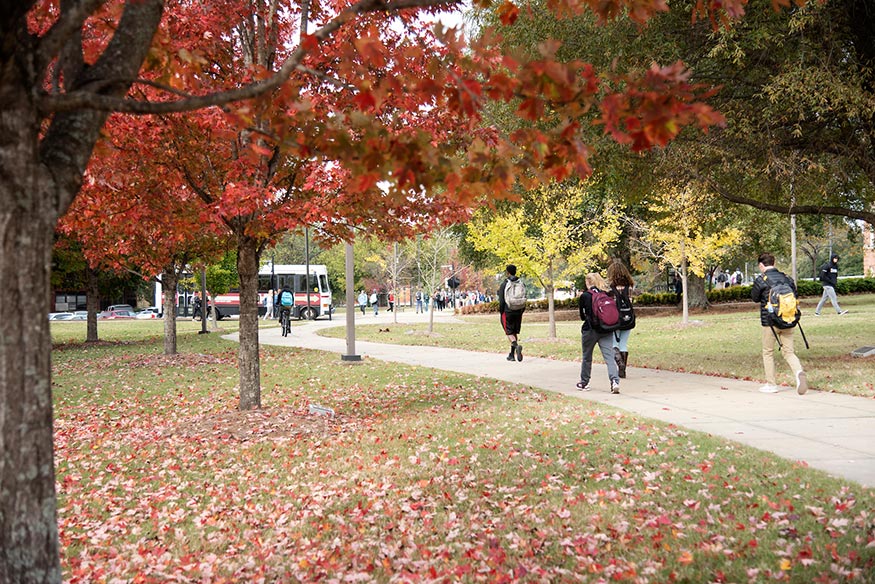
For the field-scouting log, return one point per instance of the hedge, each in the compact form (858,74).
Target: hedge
(732,294)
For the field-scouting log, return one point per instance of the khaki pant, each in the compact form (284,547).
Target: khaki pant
(786,336)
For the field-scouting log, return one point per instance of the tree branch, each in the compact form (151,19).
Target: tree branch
(68,24)
(792,209)
(78,100)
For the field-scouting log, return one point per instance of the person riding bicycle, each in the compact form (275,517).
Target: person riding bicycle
(285,300)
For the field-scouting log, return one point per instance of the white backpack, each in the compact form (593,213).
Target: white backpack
(515,295)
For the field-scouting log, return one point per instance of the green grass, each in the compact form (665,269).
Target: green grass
(724,344)
(442,478)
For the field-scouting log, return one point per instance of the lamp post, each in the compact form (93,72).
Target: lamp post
(350,308)
(204,304)
(272,287)
(307,261)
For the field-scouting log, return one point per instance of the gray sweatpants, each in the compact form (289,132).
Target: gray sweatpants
(588,341)
(828,292)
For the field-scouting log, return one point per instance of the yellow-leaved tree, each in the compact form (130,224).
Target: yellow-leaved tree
(686,234)
(555,232)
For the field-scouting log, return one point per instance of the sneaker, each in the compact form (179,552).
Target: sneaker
(769,388)
(615,387)
(510,357)
(816,314)
(843,312)
(583,386)
(801,383)
(519,352)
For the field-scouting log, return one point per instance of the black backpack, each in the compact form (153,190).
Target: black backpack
(624,307)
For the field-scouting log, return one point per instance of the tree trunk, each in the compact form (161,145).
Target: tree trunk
(92,303)
(248,359)
(28,211)
(214,314)
(169,282)
(28,522)
(551,311)
(696,292)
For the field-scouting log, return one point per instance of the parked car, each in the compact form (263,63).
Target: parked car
(80,315)
(120,307)
(116,314)
(60,316)
(151,312)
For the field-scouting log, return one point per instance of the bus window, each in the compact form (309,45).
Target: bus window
(301,283)
(264,283)
(323,283)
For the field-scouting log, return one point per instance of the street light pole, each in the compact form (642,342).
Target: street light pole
(307,261)
(272,288)
(350,307)
(204,304)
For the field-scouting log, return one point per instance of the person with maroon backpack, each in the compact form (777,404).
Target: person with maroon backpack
(600,317)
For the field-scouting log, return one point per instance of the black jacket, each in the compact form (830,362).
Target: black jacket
(759,292)
(502,305)
(829,272)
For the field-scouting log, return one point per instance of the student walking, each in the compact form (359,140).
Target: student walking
(761,291)
(363,301)
(375,302)
(268,305)
(511,306)
(829,275)
(621,285)
(591,335)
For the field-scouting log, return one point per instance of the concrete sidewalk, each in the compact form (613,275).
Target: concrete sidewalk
(832,432)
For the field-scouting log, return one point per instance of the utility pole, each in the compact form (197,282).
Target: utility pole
(350,307)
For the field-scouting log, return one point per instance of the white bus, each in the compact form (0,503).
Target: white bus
(274,278)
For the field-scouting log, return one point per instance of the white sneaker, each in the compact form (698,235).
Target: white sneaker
(615,387)
(769,388)
(843,312)
(801,383)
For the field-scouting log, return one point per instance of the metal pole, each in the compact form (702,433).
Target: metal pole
(204,304)
(793,245)
(792,234)
(272,288)
(307,260)
(350,307)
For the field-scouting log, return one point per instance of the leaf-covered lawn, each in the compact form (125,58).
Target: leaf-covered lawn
(726,344)
(421,477)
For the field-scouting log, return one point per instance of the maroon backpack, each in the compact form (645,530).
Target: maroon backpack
(605,316)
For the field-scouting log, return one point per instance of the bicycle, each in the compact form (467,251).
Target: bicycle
(285,322)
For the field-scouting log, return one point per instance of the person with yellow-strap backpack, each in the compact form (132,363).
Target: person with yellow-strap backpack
(779,316)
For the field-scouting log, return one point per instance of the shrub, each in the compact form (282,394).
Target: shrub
(731,294)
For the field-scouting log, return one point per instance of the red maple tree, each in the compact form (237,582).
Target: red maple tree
(66,65)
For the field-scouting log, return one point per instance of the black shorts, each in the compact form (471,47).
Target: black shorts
(511,322)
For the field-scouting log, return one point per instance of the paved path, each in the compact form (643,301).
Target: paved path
(831,432)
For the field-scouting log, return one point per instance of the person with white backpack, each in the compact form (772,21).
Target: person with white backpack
(511,305)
